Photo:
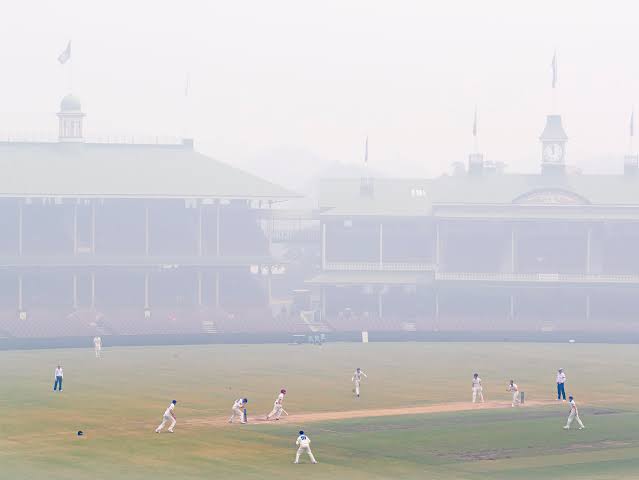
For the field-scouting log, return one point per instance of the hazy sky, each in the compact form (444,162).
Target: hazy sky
(319,76)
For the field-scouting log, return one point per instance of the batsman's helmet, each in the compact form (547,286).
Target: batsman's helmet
(245,400)
(283,390)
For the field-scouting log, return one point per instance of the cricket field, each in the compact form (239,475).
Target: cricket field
(414,419)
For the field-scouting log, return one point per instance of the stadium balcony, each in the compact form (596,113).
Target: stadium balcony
(379,266)
(538,277)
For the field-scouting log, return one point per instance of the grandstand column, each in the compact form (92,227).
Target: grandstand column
(381,245)
(323,245)
(93,227)
(271,227)
(200,231)
(588,244)
(75,291)
(199,288)
(92,289)
(512,249)
(75,228)
(146,231)
(217,237)
(437,245)
(436,305)
(20,292)
(380,304)
(20,228)
(146,290)
(217,289)
(588,306)
(512,306)
(323,302)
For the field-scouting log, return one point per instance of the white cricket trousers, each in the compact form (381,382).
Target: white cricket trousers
(571,417)
(301,450)
(276,412)
(516,400)
(357,388)
(97,352)
(166,418)
(476,392)
(237,413)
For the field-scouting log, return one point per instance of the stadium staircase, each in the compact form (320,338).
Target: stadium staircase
(310,319)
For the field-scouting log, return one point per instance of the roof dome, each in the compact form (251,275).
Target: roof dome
(70,103)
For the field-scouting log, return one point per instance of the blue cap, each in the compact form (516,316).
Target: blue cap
(174,402)
(80,433)
(246,400)
(301,432)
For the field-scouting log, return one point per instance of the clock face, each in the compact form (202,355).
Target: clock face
(553,153)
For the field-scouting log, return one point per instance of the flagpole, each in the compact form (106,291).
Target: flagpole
(475,137)
(554,109)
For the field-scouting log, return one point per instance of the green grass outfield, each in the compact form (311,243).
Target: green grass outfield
(119,400)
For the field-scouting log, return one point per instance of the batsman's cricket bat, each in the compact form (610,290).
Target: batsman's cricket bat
(245,417)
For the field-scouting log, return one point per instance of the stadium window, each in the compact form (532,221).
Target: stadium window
(348,223)
(417,192)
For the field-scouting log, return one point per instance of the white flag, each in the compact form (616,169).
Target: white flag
(65,55)
(554,70)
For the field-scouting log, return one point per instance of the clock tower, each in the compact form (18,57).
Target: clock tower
(553,146)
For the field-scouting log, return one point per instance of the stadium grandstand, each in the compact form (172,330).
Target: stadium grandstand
(133,239)
(483,250)
(125,239)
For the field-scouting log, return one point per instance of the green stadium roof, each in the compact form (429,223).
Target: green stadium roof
(124,170)
(405,197)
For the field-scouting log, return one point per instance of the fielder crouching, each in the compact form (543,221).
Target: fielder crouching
(303,444)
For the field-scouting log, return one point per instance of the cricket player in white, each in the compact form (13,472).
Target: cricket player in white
(357,379)
(278,406)
(303,444)
(97,343)
(512,387)
(239,404)
(477,388)
(574,413)
(169,416)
